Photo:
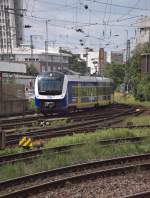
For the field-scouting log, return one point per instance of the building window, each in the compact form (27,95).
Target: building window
(43,69)
(49,68)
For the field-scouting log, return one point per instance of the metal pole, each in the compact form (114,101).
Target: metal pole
(86,52)
(46,46)
(31,46)
(7,29)
(127,61)
(1,89)
(149,34)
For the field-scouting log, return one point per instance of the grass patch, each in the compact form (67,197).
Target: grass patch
(95,136)
(82,154)
(86,137)
(31,105)
(8,151)
(140,120)
(129,99)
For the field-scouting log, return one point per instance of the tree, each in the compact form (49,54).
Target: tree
(139,85)
(143,88)
(76,63)
(116,72)
(31,70)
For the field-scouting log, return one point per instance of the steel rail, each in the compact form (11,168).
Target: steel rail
(29,117)
(79,117)
(139,195)
(74,179)
(93,164)
(73,119)
(29,155)
(70,126)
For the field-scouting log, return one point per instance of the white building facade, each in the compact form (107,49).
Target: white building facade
(11,24)
(142,33)
(53,61)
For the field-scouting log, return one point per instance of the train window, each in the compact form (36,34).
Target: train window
(107,90)
(100,90)
(73,91)
(50,86)
(109,97)
(104,90)
(104,97)
(76,91)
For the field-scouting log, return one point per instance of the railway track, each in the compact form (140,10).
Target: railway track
(58,178)
(30,155)
(74,120)
(139,195)
(83,126)
(30,120)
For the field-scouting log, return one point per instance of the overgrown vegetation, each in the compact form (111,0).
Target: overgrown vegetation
(140,120)
(76,63)
(31,105)
(81,154)
(86,137)
(98,135)
(115,72)
(138,84)
(31,69)
(129,99)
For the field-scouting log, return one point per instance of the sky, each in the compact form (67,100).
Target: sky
(77,24)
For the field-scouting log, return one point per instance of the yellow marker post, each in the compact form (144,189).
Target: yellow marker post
(25,142)
(22,141)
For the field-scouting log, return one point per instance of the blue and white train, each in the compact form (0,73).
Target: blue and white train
(56,92)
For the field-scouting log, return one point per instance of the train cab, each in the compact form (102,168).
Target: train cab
(49,92)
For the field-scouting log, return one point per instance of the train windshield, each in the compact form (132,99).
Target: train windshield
(50,86)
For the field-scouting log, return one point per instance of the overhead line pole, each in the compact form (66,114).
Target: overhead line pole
(46,46)
(31,45)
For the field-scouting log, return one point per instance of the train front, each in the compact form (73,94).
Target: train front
(50,92)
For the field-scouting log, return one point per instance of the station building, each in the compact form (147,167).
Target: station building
(52,61)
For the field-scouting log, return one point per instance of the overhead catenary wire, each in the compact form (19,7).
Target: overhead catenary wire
(129,11)
(119,5)
(72,7)
(70,24)
(80,23)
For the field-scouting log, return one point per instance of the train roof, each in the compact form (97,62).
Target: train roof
(76,78)
(87,78)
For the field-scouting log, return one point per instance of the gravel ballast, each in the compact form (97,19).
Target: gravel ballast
(109,187)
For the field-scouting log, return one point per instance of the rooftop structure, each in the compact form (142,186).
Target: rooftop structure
(51,61)
(142,33)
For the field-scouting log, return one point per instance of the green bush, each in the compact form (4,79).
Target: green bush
(143,88)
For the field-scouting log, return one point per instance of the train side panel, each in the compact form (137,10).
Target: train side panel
(89,94)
